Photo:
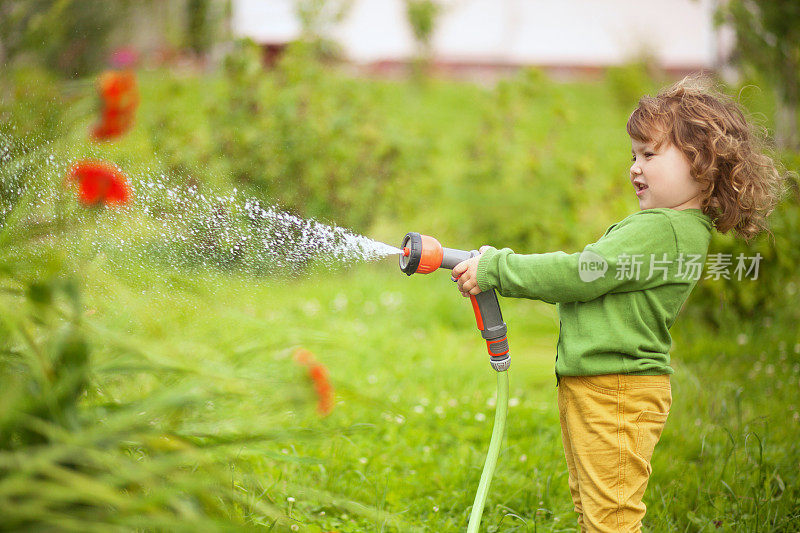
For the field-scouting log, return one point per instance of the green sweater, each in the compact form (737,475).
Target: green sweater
(613,318)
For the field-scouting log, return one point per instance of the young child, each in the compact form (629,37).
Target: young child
(697,165)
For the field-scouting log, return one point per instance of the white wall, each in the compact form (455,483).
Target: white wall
(560,32)
(265,21)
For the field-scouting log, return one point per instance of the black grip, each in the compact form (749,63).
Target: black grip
(494,330)
(492,317)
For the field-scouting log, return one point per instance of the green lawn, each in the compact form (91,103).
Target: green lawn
(196,417)
(415,394)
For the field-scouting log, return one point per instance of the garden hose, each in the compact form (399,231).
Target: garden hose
(501,410)
(423,254)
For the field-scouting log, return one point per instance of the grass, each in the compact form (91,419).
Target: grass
(413,416)
(196,417)
(415,403)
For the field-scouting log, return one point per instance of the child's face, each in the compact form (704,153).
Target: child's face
(666,173)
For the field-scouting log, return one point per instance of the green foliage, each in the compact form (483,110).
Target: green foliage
(32,107)
(422,15)
(317,17)
(768,42)
(45,355)
(537,155)
(306,138)
(75,37)
(776,286)
(300,136)
(631,81)
(206,23)
(736,463)
(69,36)
(198,30)
(768,39)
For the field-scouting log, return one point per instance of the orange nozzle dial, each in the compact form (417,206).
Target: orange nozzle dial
(432,254)
(406,251)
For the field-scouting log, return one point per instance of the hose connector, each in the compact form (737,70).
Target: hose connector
(501,364)
(497,346)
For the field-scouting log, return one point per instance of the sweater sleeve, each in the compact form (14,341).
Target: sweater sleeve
(608,265)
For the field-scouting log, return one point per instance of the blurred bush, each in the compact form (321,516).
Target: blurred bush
(70,36)
(530,164)
(422,16)
(775,286)
(301,136)
(631,81)
(535,178)
(76,38)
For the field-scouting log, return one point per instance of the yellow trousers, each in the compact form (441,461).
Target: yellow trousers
(610,425)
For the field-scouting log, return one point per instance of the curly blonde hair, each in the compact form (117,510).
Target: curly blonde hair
(740,184)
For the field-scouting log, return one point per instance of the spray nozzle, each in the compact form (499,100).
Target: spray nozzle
(422,254)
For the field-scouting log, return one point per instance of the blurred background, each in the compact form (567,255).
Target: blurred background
(137,395)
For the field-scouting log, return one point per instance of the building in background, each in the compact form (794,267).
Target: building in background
(478,36)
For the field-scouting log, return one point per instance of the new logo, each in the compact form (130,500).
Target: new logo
(591,266)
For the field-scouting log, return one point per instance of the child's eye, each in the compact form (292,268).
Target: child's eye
(646,155)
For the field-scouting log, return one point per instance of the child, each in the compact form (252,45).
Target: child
(696,165)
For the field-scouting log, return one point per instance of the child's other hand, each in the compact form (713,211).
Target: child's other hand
(466,274)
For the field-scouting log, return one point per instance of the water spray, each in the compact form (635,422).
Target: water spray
(422,254)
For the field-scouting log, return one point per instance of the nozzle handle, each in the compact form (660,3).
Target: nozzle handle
(487,314)
(451,257)
(493,329)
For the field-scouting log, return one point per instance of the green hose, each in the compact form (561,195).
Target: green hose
(501,410)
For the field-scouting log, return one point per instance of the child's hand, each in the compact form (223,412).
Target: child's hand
(466,274)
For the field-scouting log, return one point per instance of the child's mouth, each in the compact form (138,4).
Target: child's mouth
(640,189)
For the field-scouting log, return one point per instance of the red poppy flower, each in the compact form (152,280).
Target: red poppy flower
(119,100)
(319,375)
(99,183)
